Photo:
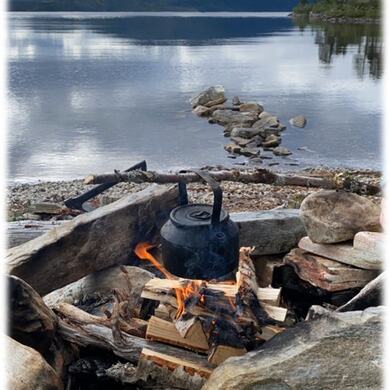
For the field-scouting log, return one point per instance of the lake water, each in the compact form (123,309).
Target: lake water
(93,92)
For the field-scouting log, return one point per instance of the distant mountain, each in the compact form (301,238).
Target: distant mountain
(151,5)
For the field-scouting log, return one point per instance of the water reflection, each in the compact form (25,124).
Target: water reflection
(90,94)
(334,39)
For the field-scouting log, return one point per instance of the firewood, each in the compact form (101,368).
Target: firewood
(268,295)
(259,175)
(167,296)
(327,274)
(222,352)
(343,253)
(166,332)
(172,362)
(92,241)
(370,295)
(246,296)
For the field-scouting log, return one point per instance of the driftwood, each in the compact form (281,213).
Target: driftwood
(31,322)
(370,295)
(92,241)
(19,232)
(327,274)
(244,176)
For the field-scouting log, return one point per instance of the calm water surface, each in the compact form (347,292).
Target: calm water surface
(91,92)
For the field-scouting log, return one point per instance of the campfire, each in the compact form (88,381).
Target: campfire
(217,318)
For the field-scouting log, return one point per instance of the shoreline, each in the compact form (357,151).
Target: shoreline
(337,19)
(238,197)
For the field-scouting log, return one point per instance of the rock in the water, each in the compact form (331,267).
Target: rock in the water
(271,232)
(232,148)
(268,121)
(236,101)
(250,152)
(210,97)
(251,106)
(298,121)
(266,114)
(244,132)
(271,141)
(241,141)
(27,370)
(336,216)
(239,119)
(281,151)
(201,111)
(334,351)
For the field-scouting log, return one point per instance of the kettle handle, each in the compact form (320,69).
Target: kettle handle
(217,191)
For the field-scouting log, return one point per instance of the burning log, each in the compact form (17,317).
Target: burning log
(259,175)
(163,290)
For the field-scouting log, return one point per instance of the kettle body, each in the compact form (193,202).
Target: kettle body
(200,241)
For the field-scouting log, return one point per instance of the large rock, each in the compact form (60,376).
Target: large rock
(27,370)
(251,106)
(244,132)
(332,351)
(92,241)
(210,97)
(336,216)
(298,121)
(271,232)
(236,118)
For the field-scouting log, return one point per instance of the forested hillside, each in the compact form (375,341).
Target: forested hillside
(151,5)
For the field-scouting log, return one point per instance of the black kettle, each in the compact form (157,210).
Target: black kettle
(199,241)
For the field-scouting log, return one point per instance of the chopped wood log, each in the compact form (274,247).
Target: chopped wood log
(370,295)
(265,266)
(84,330)
(47,208)
(327,274)
(165,294)
(222,352)
(172,362)
(268,295)
(343,253)
(92,241)
(259,175)
(246,296)
(19,232)
(166,332)
(31,322)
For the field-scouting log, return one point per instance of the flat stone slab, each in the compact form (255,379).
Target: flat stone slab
(270,232)
(344,253)
(370,242)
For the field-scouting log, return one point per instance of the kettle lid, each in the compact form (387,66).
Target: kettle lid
(195,215)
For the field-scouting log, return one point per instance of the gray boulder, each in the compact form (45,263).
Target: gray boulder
(336,216)
(281,151)
(332,351)
(298,121)
(210,97)
(271,141)
(236,118)
(271,232)
(251,106)
(244,132)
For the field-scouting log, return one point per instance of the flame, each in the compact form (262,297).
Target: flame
(192,288)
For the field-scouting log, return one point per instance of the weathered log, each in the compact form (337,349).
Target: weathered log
(327,274)
(26,369)
(31,322)
(344,253)
(222,352)
(19,232)
(244,176)
(92,241)
(370,295)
